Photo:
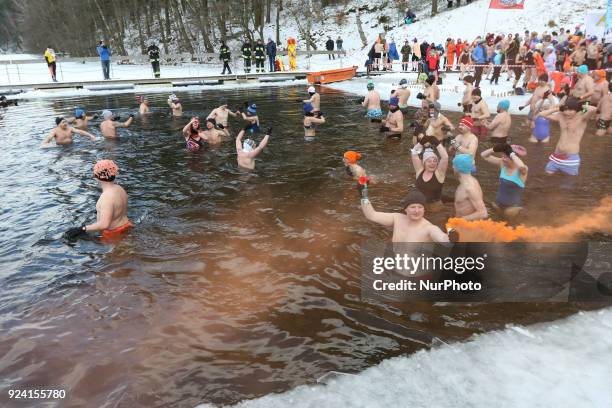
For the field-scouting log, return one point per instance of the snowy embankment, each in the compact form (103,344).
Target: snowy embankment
(560,364)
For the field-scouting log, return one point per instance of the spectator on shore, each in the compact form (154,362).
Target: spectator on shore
(271,51)
(225,56)
(104,53)
(50,58)
(339,43)
(153,52)
(329,46)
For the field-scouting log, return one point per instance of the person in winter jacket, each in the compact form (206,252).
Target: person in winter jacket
(405,51)
(497,62)
(104,54)
(260,55)
(271,52)
(550,59)
(479,58)
(225,56)
(50,59)
(247,54)
(450,54)
(329,46)
(153,52)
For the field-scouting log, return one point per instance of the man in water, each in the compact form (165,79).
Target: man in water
(248,151)
(573,119)
(212,135)
(409,226)
(62,133)
(109,126)
(403,94)
(111,208)
(314,100)
(500,126)
(469,202)
(431,92)
(466,142)
(466,101)
(221,114)
(480,112)
(372,103)
(604,109)
(175,104)
(601,86)
(144,106)
(393,126)
(437,125)
(585,86)
(81,118)
(542,91)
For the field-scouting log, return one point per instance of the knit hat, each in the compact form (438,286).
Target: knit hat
(414,197)
(252,108)
(308,107)
(467,121)
(79,113)
(394,101)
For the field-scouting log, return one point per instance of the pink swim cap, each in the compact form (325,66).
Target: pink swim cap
(106,170)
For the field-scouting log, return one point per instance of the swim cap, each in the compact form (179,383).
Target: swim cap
(352,156)
(79,113)
(428,154)
(422,77)
(469,79)
(403,83)
(105,170)
(174,97)
(252,108)
(435,105)
(308,107)
(106,114)
(414,197)
(463,163)
(601,74)
(311,89)
(573,103)
(370,85)
(583,69)
(248,145)
(393,101)
(59,120)
(222,101)
(504,104)
(467,121)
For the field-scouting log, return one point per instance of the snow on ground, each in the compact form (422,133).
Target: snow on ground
(560,364)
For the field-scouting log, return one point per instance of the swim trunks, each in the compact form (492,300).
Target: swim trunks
(309,138)
(374,114)
(394,135)
(480,131)
(603,124)
(116,232)
(566,163)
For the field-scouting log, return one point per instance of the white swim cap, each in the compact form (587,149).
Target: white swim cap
(428,154)
(248,145)
(106,114)
(311,89)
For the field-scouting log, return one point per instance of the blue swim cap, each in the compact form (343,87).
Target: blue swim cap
(308,107)
(463,163)
(79,113)
(504,104)
(394,101)
(583,69)
(252,108)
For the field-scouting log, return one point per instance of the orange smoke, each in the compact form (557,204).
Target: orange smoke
(596,220)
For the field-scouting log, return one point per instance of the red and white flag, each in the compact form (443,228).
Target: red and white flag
(507,4)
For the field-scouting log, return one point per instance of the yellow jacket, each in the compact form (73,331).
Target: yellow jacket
(49,56)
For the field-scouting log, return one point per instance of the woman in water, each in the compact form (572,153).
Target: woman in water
(512,178)
(430,171)
(194,136)
(311,121)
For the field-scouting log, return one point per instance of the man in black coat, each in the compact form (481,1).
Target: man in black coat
(153,52)
(329,46)
(271,51)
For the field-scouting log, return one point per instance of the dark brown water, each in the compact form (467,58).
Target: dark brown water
(232,285)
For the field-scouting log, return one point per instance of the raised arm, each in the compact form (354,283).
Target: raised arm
(550,114)
(84,133)
(259,148)
(416,160)
(488,156)
(239,141)
(521,165)
(443,164)
(127,123)
(386,219)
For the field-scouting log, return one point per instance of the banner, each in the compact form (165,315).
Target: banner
(507,4)
(595,24)
(608,31)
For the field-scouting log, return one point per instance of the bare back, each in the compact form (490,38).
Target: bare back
(116,196)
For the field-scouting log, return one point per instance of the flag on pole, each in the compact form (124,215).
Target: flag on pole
(507,4)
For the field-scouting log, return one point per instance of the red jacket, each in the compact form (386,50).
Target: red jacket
(432,61)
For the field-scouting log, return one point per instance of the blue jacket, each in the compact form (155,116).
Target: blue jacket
(393,52)
(497,59)
(104,53)
(478,55)
(271,48)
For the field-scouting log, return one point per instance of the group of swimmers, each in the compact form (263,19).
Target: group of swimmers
(573,109)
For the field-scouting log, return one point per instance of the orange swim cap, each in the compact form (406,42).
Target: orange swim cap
(352,156)
(601,73)
(106,170)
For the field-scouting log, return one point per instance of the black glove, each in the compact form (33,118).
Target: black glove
(319,114)
(503,148)
(521,108)
(359,101)
(384,129)
(420,95)
(432,140)
(393,91)
(245,104)
(74,233)
(220,126)
(269,131)
(95,116)
(546,94)
(453,235)
(131,115)
(459,104)
(117,117)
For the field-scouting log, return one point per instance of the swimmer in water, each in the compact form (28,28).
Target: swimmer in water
(213,135)
(430,172)
(194,136)
(469,203)
(314,100)
(251,117)
(221,114)
(431,91)
(111,208)
(248,151)
(410,225)
(81,119)
(109,125)
(353,169)
(512,179)
(585,86)
(500,125)
(62,133)
(573,118)
(601,86)
(144,105)
(403,94)
(175,104)
(542,91)
(480,112)
(604,110)
(372,103)
(393,126)
(465,142)
(437,125)
(311,120)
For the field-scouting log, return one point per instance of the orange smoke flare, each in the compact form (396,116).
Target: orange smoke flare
(595,220)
